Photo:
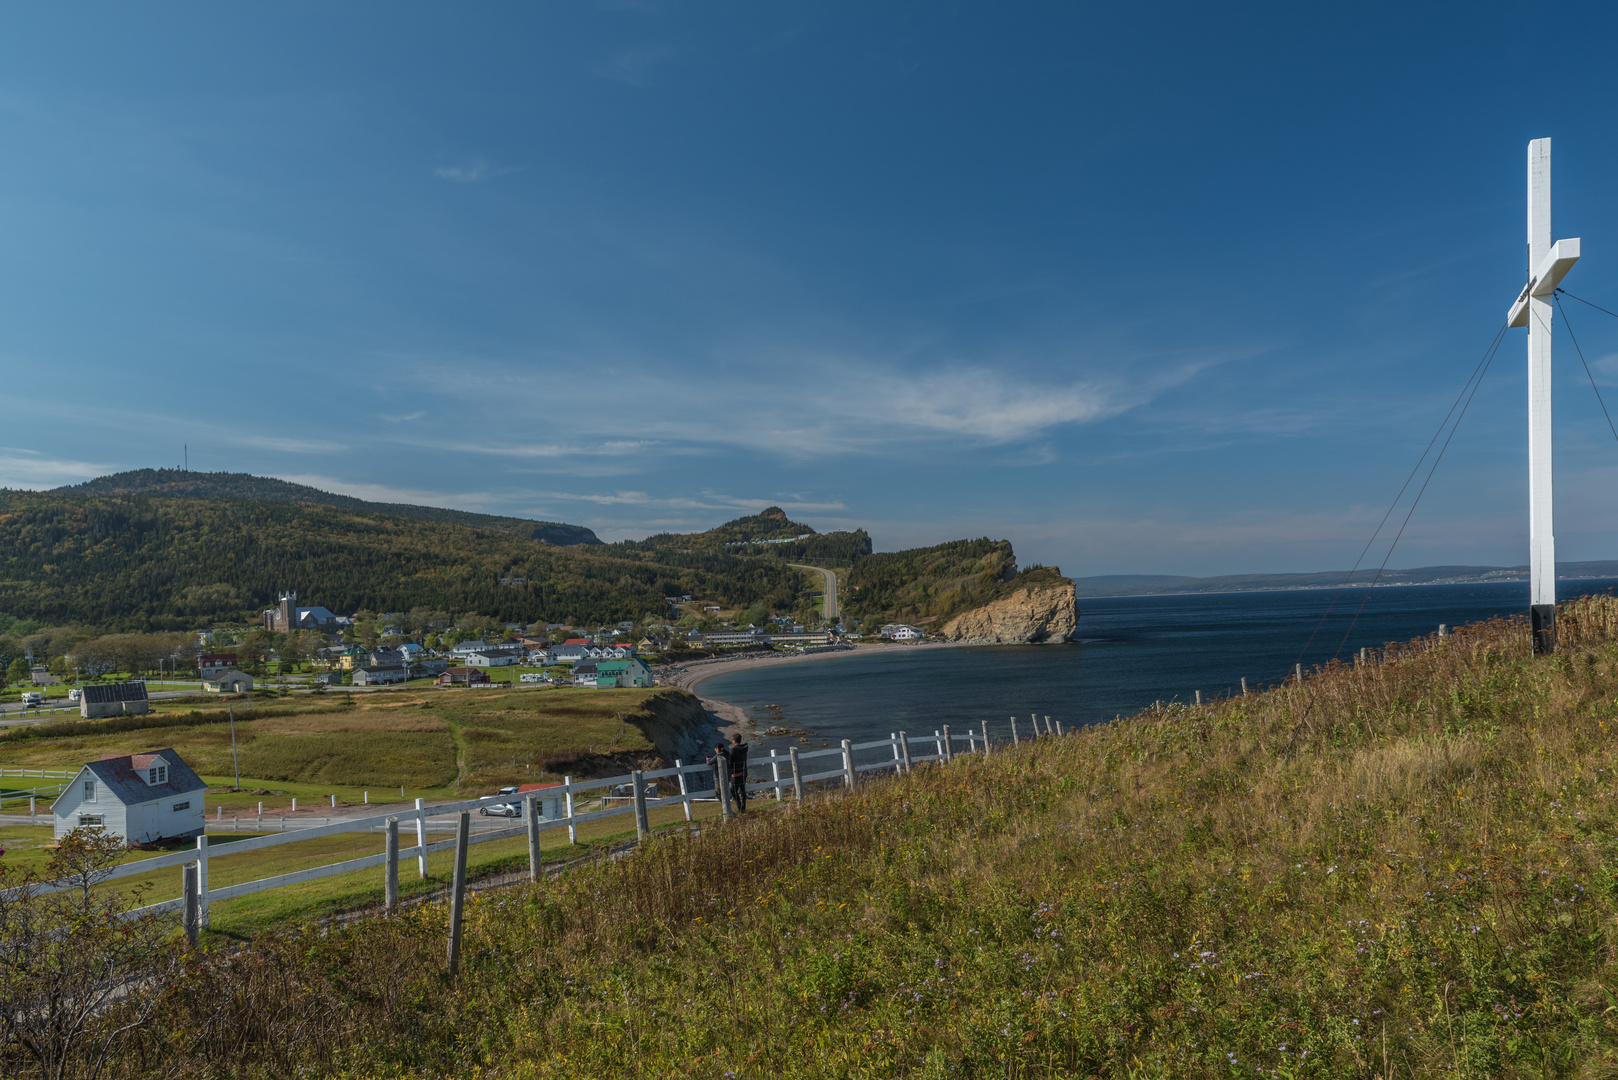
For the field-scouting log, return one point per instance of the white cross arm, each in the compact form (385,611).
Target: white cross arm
(1558,261)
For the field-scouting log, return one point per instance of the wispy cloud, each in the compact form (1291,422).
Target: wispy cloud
(473,172)
(389,493)
(33,470)
(292,445)
(417,415)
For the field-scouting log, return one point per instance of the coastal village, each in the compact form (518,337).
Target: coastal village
(305,647)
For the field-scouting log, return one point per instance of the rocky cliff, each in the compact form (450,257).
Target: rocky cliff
(1032,614)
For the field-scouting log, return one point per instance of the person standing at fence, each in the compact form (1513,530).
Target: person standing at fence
(738,773)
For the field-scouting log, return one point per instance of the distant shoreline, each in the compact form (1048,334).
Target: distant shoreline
(1322,588)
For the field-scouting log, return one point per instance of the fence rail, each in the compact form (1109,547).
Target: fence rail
(900,757)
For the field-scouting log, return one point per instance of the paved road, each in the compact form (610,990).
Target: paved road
(829,609)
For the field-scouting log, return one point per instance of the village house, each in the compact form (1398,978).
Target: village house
(463,676)
(570,652)
(491,658)
(211,664)
(140,797)
(229,681)
(902,632)
(379,675)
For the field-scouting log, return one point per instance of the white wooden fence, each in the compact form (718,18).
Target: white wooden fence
(898,753)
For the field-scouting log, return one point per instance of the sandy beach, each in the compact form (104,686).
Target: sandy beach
(733,719)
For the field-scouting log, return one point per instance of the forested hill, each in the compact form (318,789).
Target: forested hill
(134,560)
(770,534)
(158,563)
(177,483)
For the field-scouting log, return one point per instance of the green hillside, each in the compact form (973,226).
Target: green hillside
(176,483)
(1403,869)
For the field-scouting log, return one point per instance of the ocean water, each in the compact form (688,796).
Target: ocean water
(1132,651)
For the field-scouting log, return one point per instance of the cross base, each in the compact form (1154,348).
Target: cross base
(1543,619)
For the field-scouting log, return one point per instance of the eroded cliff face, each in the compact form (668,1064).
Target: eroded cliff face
(1032,615)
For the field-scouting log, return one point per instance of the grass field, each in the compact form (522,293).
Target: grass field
(432,742)
(1403,869)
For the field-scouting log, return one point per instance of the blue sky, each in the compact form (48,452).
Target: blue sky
(1156,288)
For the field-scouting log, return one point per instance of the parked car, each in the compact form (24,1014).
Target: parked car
(627,791)
(533,677)
(32,699)
(511,810)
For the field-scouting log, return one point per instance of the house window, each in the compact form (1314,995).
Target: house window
(157,774)
(181,806)
(90,821)
(89,791)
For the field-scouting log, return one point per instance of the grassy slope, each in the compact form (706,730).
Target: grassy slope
(1406,869)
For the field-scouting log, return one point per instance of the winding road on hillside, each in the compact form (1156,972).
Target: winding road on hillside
(829,609)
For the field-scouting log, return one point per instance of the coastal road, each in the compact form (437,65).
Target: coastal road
(829,609)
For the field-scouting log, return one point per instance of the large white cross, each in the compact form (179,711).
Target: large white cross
(1547,264)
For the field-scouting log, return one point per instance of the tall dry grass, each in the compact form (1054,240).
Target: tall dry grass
(1398,868)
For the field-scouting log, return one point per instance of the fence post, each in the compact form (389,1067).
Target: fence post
(972,741)
(30,809)
(202,879)
(775,773)
(1014,740)
(1048,729)
(1059,728)
(722,786)
(642,824)
(390,879)
(1034,719)
(567,793)
(1244,686)
(685,794)
(188,889)
(1199,698)
(848,765)
(421,835)
(457,895)
(949,751)
(893,742)
(938,747)
(1297,669)
(904,749)
(530,810)
(797,775)
(985,738)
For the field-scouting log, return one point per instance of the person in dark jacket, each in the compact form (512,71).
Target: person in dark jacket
(738,773)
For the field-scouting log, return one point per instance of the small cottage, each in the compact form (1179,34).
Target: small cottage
(141,797)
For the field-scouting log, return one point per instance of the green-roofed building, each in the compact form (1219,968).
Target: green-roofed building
(631,672)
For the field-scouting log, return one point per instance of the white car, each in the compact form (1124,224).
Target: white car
(512,810)
(533,677)
(32,699)
(74,694)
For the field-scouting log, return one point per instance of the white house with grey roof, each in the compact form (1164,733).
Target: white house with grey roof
(141,797)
